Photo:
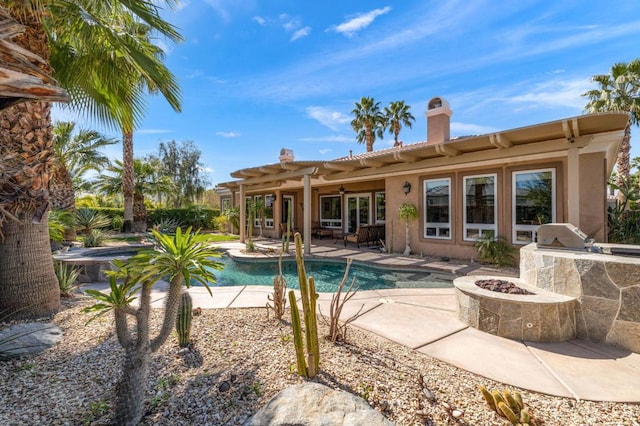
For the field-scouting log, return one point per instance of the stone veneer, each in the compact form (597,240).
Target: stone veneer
(539,317)
(607,289)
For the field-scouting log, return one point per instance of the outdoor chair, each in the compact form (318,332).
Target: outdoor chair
(360,236)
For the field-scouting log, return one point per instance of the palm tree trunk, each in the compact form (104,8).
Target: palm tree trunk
(407,248)
(27,280)
(28,285)
(132,387)
(139,213)
(127,179)
(622,164)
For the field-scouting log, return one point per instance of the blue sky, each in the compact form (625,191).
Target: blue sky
(257,76)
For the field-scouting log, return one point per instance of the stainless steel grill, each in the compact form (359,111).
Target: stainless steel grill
(563,236)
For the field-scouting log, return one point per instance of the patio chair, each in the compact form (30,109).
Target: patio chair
(360,236)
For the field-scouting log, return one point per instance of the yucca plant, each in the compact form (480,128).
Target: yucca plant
(88,220)
(95,238)
(67,276)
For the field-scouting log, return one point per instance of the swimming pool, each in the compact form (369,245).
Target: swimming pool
(327,275)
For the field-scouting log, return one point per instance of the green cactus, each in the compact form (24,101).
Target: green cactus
(508,413)
(507,404)
(297,335)
(183,322)
(308,298)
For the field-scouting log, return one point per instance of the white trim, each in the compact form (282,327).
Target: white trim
(345,222)
(481,228)
(331,223)
(375,202)
(533,228)
(440,227)
(269,221)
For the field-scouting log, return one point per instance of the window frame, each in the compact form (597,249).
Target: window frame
(331,223)
(481,227)
(269,210)
(515,227)
(379,207)
(437,225)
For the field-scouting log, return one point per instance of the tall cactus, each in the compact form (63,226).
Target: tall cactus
(308,295)
(183,322)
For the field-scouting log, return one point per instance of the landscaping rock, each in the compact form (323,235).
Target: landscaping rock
(29,338)
(311,404)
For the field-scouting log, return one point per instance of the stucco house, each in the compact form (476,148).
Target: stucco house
(499,184)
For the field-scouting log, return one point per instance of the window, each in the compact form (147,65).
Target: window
(225,204)
(437,208)
(247,210)
(258,211)
(269,202)
(380,207)
(330,211)
(534,197)
(480,201)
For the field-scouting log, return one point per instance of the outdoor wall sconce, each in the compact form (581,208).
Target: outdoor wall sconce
(406,188)
(341,190)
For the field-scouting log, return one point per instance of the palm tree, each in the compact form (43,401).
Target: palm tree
(397,114)
(183,259)
(146,182)
(619,91)
(81,39)
(369,122)
(75,154)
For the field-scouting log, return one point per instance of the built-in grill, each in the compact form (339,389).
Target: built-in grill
(563,236)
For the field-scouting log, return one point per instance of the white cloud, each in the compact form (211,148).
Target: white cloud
(289,23)
(555,93)
(152,131)
(259,20)
(229,134)
(470,129)
(359,22)
(181,4)
(336,138)
(324,151)
(302,32)
(326,117)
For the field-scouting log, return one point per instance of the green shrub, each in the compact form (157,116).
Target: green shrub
(89,219)
(67,276)
(497,251)
(95,238)
(194,216)
(117,222)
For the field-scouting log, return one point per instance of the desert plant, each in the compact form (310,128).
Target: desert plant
(182,259)
(183,321)
(166,225)
(306,367)
(497,251)
(279,297)
(117,222)
(338,330)
(222,223)
(60,222)
(67,276)
(507,404)
(408,213)
(95,238)
(88,220)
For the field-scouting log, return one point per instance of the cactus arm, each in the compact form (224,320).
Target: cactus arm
(508,413)
(183,320)
(297,334)
(488,397)
(314,348)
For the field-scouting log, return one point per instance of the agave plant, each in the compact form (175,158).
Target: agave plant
(67,276)
(88,220)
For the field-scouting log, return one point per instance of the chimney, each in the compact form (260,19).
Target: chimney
(438,121)
(286,155)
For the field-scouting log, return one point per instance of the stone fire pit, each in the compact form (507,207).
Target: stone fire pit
(540,317)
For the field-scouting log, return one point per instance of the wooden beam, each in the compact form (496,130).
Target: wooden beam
(405,157)
(500,141)
(368,162)
(448,151)
(341,167)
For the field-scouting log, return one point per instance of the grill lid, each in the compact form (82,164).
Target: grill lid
(563,235)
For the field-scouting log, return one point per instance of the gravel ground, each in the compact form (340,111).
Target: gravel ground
(240,360)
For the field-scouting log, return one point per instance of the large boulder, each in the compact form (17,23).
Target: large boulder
(28,338)
(311,404)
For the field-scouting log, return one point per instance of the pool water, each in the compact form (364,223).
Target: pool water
(327,275)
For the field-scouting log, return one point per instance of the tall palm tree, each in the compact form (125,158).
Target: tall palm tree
(619,91)
(75,154)
(61,33)
(369,122)
(397,114)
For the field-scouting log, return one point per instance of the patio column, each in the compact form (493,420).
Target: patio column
(306,213)
(243,215)
(573,186)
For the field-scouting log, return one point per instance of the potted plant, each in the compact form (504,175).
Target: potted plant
(408,213)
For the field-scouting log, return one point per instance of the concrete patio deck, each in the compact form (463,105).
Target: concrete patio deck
(425,320)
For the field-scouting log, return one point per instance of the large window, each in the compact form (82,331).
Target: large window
(258,210)
(331,211)
(437,208)
(380,207)
(533,203)
(269,202)
(225,204)
(480,213)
